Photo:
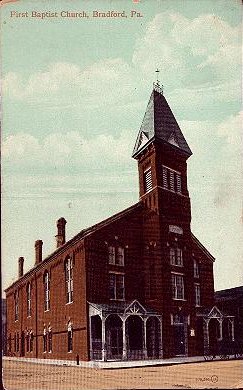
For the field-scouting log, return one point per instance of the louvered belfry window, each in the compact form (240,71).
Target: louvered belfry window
(171,180)
(148,180)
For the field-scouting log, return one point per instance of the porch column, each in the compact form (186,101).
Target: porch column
(220,329)
(232,329)
(160,339)
(124,340)
(104,357)
(145,353)
(205,336)
(90,339)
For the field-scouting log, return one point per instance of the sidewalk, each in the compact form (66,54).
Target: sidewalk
(114,364)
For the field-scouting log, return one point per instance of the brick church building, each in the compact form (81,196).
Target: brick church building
(138,285)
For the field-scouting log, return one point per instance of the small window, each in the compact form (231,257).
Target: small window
(171,180)
(116,286)
(70,336)
(116,255)
(148,180)
(111,254)
(176,257)
(195,268)
(178,286)
(197,295)
(69,280)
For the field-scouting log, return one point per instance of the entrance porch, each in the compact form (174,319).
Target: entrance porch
(124,331)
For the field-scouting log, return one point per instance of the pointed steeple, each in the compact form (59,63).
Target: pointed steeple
(159,124)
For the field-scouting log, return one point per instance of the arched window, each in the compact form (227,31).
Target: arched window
(46,291)
(28,294)
(16,305)
(70,336)
(69,280)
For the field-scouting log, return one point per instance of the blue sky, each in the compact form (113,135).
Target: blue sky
(74,95)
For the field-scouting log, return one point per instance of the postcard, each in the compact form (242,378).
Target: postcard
(121,194)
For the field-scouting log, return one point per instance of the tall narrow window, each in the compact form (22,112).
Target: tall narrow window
(172,181)
(28,292)
(49,339)
(195,268)
(69,279)
(17,346)
(44,340)
(165,177)
(148,180)
(178,286)
(46,291)
(178,182)
(120,256)
(70,336)
(197,295)
(31,335)
(27,337)
(116,286)
(16,305)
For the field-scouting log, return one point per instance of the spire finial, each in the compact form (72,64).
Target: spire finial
(157,71)
(157,87)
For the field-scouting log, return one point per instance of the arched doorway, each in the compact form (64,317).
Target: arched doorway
(96,337)
(214,336)
(153,337)
(113,329)
(135,339)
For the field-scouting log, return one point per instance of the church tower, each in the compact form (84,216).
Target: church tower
(162,152)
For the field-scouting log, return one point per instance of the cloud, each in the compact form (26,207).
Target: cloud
(205,46)
(105,81)
(69,150)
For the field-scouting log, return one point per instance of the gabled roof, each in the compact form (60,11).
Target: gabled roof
(82,234)
(203,249)
(159,124)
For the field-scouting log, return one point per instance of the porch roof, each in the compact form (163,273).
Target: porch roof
(124,307)
(214,312)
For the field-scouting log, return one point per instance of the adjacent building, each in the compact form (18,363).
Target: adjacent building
(137,285)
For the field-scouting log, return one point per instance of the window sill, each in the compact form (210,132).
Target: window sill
(177,265)
(46,310)
(179,299)
(117,299)
(69,303)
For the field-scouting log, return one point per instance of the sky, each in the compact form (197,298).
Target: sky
(74,94)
